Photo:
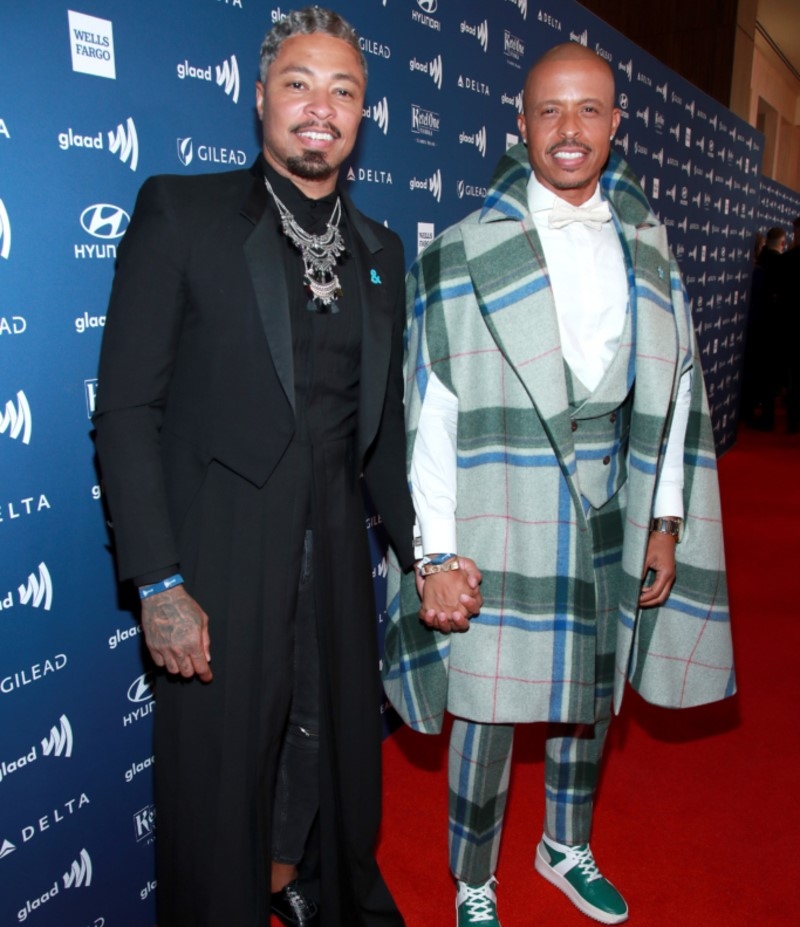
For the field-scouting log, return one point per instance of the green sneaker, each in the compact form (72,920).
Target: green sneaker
(574,871)
(476,904)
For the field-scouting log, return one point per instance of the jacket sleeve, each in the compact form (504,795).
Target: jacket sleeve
(143,324)
(386,467)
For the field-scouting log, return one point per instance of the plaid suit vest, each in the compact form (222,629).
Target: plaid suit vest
(601,422)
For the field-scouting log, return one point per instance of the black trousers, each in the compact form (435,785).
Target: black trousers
(296,800)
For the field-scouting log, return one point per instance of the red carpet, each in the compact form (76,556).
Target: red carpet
(697,816)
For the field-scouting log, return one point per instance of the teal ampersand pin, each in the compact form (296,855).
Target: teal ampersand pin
(373,276)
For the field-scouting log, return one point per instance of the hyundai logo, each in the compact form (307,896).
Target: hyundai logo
(140,689)
(102,220)
(428,6)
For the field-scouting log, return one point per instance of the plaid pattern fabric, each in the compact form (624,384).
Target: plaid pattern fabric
(480,754)
(481,315)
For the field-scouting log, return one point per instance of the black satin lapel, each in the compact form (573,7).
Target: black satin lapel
(262,252)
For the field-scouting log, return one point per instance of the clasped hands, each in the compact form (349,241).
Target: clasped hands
(450,599)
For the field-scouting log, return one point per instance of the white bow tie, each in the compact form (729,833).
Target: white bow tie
(594,217)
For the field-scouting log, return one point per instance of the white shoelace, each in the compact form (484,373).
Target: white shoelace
(478,901)
(585,862)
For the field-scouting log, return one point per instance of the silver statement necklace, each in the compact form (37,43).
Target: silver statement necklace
(319,252)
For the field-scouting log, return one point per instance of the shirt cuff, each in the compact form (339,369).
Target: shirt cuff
(438,535)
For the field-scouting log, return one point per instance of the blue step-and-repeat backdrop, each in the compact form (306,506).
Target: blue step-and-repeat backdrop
(95,96)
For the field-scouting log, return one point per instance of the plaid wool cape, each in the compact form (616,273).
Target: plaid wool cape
(480,313)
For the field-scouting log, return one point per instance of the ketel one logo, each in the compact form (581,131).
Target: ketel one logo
(79,874)
(39,589)
(105,221)
(16,420)
(140,690)
(5,233)
(380,113)
(144,823)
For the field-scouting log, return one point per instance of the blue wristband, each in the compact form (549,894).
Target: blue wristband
(175,580)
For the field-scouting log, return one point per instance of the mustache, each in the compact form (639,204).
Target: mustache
(313,124)
(572,145)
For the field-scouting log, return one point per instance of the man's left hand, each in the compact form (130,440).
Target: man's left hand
(660,558)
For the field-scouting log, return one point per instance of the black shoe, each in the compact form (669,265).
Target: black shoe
(293,908)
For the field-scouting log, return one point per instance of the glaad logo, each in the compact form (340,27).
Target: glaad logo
(92,44)
(5,233)
(102,220)
(57,744)
(226,75)
(514,100)
(380,113)
(433,184)
(228,78)
(581,39)
(17,419)
(480,32)
(432,68)
(627,68)
(122,141)
(79,874)
(38,591)
(522,6)
(125,141)
(478,139)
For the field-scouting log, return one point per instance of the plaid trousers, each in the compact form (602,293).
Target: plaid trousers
(479,759)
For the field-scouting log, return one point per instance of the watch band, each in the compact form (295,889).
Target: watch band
(667,525)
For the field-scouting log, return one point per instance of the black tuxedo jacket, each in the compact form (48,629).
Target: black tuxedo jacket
(196,363)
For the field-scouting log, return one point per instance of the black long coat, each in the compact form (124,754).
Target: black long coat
(195,425)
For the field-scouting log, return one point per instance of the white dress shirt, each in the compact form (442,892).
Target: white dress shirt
(590,307)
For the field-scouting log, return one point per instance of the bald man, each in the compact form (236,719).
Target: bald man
(551,370)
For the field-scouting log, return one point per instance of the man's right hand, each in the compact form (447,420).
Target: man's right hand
(176,632)
(451,598)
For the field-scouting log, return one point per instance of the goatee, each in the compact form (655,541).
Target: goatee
(311,165)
